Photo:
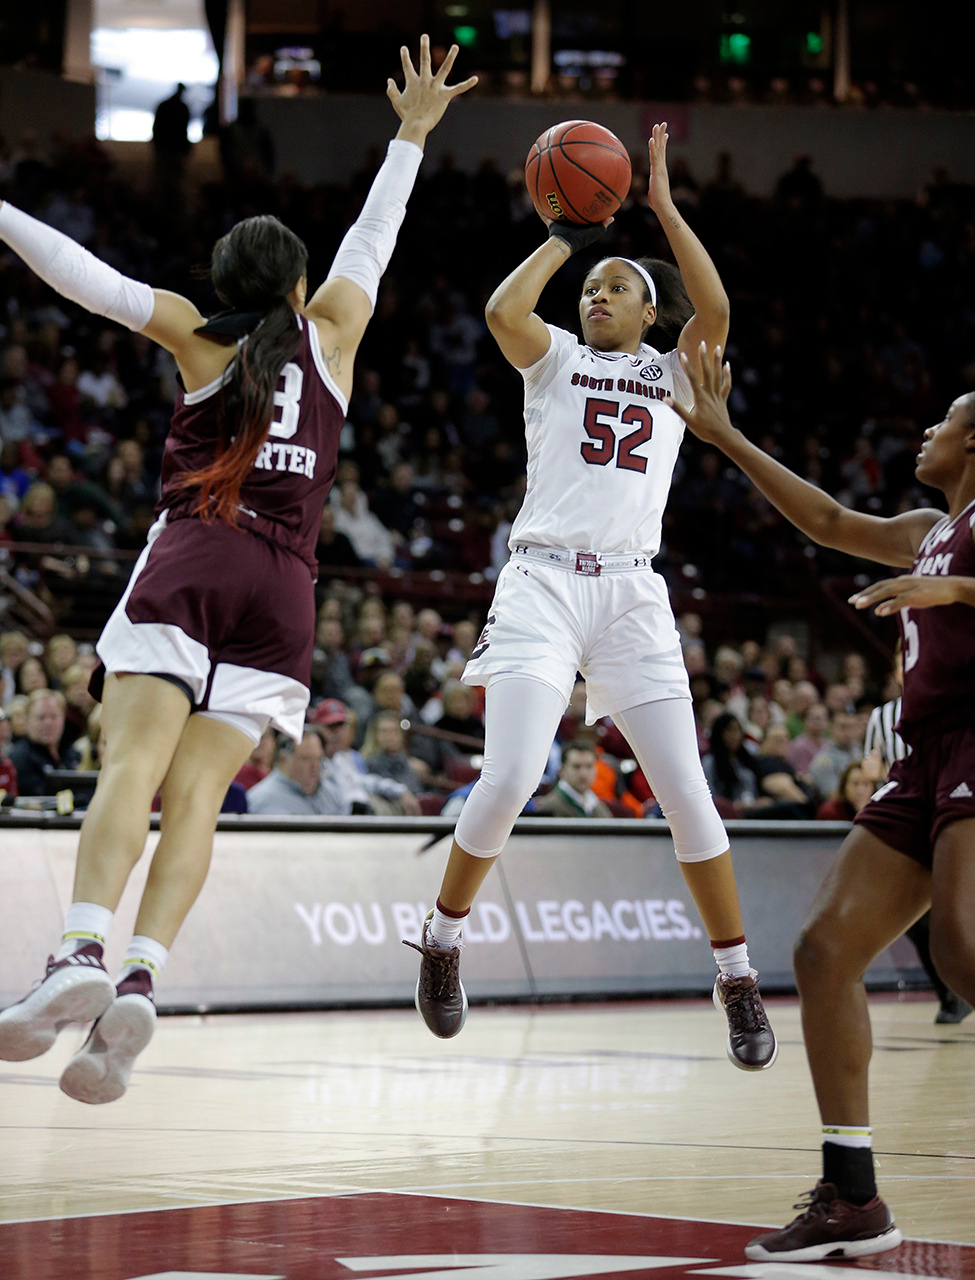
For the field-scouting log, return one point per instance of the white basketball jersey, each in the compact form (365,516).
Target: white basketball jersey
(602,447)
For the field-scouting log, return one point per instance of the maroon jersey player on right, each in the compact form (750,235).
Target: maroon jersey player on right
(911,847)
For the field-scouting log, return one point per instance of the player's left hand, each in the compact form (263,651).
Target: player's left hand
(658,193)
(425,96)
(909,592)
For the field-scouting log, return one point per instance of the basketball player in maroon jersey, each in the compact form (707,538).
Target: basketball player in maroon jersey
(911,845)
(212,641)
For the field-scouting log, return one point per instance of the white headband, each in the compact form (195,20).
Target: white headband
(646,275)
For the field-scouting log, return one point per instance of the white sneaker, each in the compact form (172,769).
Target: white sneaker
(101,1069)
(75,989)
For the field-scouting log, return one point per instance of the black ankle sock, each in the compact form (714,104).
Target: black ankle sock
(850,1170)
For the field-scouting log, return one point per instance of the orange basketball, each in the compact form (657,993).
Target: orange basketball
(579,171)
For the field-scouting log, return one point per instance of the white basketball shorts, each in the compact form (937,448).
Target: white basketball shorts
(616,628)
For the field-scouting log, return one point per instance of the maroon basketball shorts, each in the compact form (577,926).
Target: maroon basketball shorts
(927,790)
(226,612)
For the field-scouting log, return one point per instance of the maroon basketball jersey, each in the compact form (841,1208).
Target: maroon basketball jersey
(939,643)
(283,496)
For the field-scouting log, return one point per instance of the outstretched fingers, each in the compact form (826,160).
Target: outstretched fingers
(424,77)
(708,372)
(409,71)
(444,69)
(718,374)
(464,85)
(710,381)
(452,90)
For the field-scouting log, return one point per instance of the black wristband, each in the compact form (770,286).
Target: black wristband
(575,234)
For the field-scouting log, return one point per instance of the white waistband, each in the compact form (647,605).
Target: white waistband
(588,563)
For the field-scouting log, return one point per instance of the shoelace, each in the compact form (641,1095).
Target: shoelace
(742,1002)
(435,976)
(812,1204)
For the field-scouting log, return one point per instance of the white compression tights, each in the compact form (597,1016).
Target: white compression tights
(664,740)
(521,716)
(520,720)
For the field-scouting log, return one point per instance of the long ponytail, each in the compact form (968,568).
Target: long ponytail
(254,267)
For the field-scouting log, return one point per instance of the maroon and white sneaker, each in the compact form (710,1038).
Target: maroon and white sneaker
(100,1070)
(440,997)
(75,989)
(751,1041)
(828,1228)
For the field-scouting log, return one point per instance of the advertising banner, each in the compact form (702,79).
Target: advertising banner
(315,917)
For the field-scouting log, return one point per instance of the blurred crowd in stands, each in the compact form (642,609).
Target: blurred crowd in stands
(922,77)
(392,729)
(852,330)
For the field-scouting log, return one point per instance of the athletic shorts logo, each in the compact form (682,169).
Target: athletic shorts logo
(651,373)
(483,642)
(962,792)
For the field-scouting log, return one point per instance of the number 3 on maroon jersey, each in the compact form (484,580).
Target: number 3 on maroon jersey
(605,447)
(288,401)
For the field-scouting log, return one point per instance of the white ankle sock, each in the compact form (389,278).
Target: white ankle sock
(444,930)
(144,953)
(733,960)
(85,922)
(845,1135)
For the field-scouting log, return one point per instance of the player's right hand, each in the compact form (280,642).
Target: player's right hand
(711,382)
(576,235)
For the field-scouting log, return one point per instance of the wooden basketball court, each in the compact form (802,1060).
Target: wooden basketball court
(554,1141)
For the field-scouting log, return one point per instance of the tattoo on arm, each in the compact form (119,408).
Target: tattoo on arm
(675,222)
(334,361)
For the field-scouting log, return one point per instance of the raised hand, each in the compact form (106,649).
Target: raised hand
(658,193)
(711,382)
(420,104)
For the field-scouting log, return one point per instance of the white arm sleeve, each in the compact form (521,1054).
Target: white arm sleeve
(368,245)
(76,274)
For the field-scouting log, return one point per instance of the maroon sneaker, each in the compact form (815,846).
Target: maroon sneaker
(751,1041)
(440,997)
(100,1070)
(828,1228)
(75,989)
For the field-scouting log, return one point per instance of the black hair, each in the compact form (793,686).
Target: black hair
(674,307)
(253,268)
(725,760)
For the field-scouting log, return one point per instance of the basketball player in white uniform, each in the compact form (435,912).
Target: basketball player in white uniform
(580,593)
